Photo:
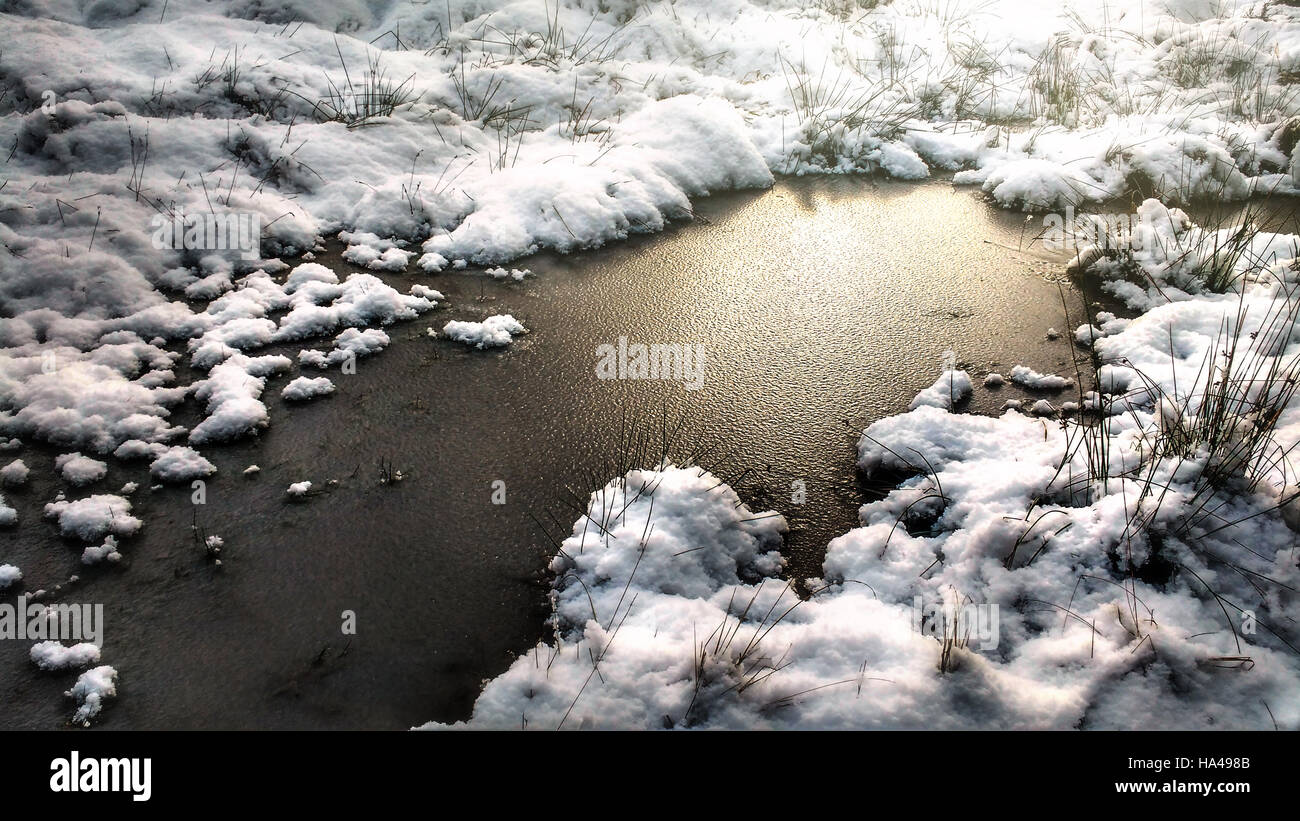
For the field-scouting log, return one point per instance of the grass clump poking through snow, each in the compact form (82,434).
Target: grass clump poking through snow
(373,95)
(1163,254)
(1218,429)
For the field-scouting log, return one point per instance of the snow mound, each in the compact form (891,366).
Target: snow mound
(93,688)
(80,470)
(52,655)
(9,575)
(493,332)
(15,473)
(181,464)
(106,552)
(94,517)
(232,393)
(304,388)
(951,388)
(660,553)
(1034,380)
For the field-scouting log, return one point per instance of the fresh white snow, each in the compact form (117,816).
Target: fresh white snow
(1030,378)
(53,655)
(181,464)
(80,470)
(15,473)
(9,575)
(305,387)
(92,689)
(493,332)
(94,517)
(951,388)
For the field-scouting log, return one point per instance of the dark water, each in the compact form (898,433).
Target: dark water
(822,305)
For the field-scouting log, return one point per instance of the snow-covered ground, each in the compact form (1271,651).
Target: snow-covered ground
(172,169)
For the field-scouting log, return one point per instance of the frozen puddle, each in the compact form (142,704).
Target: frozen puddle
(819,306)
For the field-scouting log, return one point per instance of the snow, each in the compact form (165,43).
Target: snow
(371,251)
(305,387)
(1087,334)
(94,517)
(659,556)
(493,332)
(298,490)
(14,474)
(9,576)
(1032,379)
(1039,183)
(352,344)
(53,655)
(181,464)
(139,449)
(951,388)
(80,470)
(93,688)
(233,392)
(361,299)
(106,552)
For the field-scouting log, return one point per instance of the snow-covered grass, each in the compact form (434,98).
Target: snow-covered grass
(472,133)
